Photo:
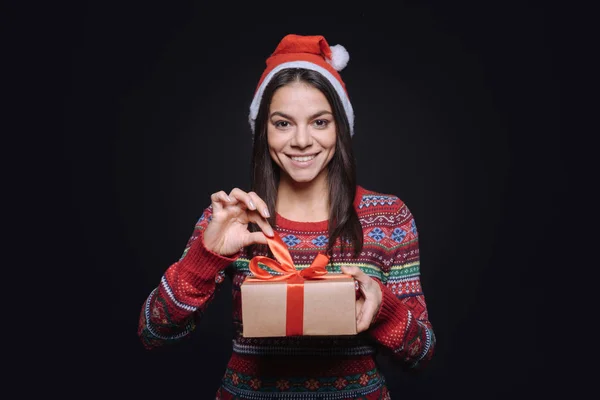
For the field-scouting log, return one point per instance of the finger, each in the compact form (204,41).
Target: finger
(363,279)
(359,304)
(220,196)
(366,315)
(218,199)
(254,203)
(352,270)
(255,238)
(261,206)
(239,195)
(262,223)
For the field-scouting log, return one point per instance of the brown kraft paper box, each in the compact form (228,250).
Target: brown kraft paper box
(329,307)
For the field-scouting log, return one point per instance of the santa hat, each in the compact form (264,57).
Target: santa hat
(310,52)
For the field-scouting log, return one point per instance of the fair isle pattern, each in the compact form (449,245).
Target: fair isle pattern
(368,200)
(205,217)
(346,386)
(430,338)
(150,334)
(390,255)
(377,391)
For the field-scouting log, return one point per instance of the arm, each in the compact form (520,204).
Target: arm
(172,309)
(401,326)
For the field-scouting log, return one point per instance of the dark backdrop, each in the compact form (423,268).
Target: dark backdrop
(458,112)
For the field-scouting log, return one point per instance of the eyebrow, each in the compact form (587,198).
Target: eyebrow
(315,115)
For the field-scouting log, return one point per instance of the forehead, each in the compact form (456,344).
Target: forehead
(299,97)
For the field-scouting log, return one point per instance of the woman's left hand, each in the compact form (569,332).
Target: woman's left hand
(367,306)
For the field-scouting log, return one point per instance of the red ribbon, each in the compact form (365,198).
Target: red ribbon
(295,279)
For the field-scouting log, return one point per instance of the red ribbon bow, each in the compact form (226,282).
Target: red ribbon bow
(295,279)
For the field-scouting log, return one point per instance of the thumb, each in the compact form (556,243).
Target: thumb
(357,273)
(255,238)
(353,271)
(348,269)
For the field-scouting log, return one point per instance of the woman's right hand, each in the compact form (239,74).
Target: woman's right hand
(227,232)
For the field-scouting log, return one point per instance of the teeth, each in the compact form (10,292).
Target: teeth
(303,159)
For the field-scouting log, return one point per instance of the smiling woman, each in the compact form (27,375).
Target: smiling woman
(303,185)
(301,134)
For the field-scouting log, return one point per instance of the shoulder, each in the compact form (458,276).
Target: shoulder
(369,202)
(385,217)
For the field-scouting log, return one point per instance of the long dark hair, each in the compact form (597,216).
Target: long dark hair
(341,170)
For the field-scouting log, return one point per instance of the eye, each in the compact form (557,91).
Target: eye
(281,124)
(321,123)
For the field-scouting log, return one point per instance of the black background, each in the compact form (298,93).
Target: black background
(144,114)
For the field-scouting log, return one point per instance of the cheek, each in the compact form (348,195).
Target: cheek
(329,137)
(275,142)
(331,145)
(330,155)
(273,152)
(271,140)
(329,142)
(274,156)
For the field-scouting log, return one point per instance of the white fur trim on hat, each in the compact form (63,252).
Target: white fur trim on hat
(339,57)
(308,65)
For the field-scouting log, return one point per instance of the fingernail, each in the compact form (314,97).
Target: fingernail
(251,205)
(228,199)
(266,213)
(270,232)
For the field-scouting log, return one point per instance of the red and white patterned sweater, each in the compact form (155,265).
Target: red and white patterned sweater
(305,367)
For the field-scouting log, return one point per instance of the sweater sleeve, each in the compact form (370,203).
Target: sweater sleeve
(172,310)
(401,326)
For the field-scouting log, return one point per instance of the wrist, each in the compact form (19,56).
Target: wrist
(201,263)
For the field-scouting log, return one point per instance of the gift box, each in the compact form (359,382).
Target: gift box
(308,302)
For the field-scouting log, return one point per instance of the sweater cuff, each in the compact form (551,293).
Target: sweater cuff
(392,310)
(200,264)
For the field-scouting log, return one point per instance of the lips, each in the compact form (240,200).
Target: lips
(303,158)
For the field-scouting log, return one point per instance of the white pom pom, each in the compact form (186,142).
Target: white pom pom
(339,57)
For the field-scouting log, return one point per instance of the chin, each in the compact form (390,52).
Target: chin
(302,179)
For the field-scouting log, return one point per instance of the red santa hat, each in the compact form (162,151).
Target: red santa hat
(310,52)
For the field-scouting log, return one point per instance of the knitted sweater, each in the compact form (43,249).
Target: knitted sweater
(305,367)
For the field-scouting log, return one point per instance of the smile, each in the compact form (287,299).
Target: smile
(303,158)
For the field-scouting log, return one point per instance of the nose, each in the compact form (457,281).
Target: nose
(302,137)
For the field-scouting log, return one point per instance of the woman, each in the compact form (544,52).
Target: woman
(304,186)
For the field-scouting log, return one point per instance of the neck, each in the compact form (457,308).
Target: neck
(305,201)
